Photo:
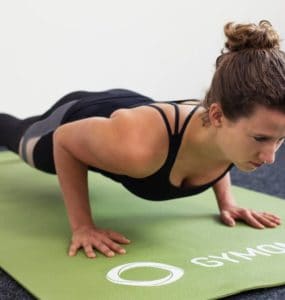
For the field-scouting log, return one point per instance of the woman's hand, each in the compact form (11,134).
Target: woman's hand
(90,237)
(253,218)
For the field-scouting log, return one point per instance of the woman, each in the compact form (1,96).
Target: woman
(163,150)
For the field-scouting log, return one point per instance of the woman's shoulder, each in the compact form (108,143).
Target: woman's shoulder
(147,133)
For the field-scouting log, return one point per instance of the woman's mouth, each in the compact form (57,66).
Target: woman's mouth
(257,165)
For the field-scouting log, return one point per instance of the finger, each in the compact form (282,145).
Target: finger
(115,247)
(251,220)
(267,221)
(89,251)
(272,217)
(117,237)
(227,219)
(73,249)
(99,245)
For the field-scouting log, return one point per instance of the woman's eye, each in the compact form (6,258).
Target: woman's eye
(260,139)
(265,139)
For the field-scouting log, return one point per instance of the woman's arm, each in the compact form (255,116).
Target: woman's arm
(222,190)
(91,142)
(229,211)
(72,175)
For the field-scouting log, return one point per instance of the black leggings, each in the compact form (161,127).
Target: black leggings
(12,128)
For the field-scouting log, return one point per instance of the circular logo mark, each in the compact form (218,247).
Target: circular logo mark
(174,274)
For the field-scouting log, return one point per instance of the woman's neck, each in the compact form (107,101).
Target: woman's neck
(200,142)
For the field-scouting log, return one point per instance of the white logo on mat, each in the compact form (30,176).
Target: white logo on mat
(213,261)
(175,274)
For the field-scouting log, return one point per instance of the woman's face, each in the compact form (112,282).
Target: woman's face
(252,141)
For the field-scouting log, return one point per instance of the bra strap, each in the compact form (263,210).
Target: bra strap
(164,118)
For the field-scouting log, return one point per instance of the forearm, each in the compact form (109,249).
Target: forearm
(222,190)
(72,175)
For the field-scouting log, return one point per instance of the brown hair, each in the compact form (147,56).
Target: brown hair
(251,72)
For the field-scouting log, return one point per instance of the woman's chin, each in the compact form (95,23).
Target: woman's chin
(245,167)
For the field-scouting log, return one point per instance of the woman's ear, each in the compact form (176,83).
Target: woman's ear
(216,115)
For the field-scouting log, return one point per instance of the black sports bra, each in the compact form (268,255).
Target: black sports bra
(158,186)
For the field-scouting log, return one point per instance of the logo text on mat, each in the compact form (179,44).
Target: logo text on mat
(213,261)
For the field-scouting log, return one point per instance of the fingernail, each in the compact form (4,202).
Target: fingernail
(111,253)
(122,251)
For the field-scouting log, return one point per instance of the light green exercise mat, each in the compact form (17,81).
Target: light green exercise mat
(179,248)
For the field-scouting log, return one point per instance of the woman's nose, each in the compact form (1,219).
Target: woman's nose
(268,156)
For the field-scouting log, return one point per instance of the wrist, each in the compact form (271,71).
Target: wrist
(84,225)
(226,202)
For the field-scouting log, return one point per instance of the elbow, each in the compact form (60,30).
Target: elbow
(58,136)
(58,140)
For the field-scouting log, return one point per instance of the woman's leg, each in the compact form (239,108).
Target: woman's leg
(12,129)
(65,99)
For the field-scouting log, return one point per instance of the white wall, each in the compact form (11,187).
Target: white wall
(164,49)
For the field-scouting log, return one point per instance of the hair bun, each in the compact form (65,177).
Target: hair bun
(244,36)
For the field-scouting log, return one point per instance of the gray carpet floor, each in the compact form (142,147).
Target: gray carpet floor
(268,179)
